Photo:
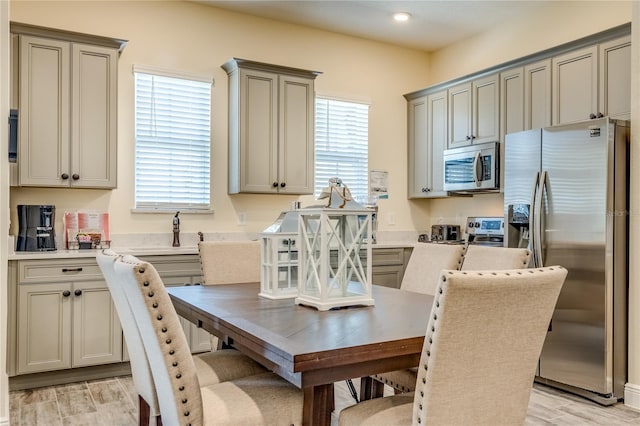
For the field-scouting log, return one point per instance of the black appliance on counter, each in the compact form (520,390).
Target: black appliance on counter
(36,228)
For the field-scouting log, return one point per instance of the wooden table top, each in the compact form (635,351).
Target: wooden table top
(306,346)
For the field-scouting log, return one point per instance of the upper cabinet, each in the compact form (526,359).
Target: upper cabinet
(473,112)
(592,82)
(271,128)
(66,95)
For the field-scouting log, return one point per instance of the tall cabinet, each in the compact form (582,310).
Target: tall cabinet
(271,128)
(65,90)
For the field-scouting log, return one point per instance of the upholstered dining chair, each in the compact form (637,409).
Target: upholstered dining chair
(479,258)
(426,262)
(211,367)
(480,352)
(262,399)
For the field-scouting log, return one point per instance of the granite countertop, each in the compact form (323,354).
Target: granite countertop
(148,251)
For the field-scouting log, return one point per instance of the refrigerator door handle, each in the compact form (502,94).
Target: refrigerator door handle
(478,171)
(532,218)
(542,183)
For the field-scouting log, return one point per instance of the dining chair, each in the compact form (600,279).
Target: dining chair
(211,367)
(229,262)
(483,340)
(262,399)
(479,258)
(426,262)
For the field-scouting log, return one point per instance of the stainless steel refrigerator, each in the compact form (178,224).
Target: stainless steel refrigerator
(566,198)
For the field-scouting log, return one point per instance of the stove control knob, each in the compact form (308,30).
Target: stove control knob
(477,224)
(471,224)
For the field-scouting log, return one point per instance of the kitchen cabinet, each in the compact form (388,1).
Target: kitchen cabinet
(66,97)
(427,131)
(271,128)
(592,82)
(388,265)
(64,317)
(537,95)
(474,112)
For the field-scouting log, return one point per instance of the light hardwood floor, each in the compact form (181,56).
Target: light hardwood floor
(112,402)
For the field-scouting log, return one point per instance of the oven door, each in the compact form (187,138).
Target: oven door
(472,168)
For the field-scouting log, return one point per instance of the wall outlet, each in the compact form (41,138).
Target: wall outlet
(242,218)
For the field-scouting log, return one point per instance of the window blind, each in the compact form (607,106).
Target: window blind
(342,145)
(173,142)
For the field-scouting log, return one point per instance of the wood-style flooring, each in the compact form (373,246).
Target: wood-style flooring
(113,402)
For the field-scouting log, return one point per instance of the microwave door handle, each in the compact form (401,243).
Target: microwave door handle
(477,169)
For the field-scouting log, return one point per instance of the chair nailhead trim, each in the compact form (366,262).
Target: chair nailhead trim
(155,304)
(175,364)
(168,341)
(159,317)
(181,388)
(141,270)
(164,329)
(186,413)
(171,352)
(146,283)
(178,376)
(150,294)
(184,401)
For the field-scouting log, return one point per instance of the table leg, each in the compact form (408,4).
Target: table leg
(370,388)
(318,405)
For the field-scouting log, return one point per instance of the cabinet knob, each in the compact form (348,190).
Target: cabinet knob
(77,292)
(592,116)
(66,293)
(64,176)
(75,176)
(283,184)
(600,115)
(275,184)
(468,138)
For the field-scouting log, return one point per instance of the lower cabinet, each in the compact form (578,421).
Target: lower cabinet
(64,317)
(388,266)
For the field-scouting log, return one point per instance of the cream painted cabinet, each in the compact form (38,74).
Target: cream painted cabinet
(592,82)
(537,94)
(427,131)
(388,265)
(64,317)
(474,112)
(67,105)
(271,128)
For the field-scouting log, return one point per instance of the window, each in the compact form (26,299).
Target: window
(173,141)
(342,145)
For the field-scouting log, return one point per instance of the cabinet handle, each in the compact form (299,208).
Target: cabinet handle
(71,269)
(283,184)
(275,184)
(77,292)
(66,293)
(64,176)
(75,176)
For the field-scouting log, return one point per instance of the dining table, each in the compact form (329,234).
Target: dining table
(309,348)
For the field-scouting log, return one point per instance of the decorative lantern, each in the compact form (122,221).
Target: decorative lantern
(279,269)
(335,252)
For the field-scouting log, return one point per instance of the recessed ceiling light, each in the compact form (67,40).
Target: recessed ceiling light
(401,16)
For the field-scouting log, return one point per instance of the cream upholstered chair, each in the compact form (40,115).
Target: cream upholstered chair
(211,367)
(480,353)
(426,262)
(263,399)
(480,258)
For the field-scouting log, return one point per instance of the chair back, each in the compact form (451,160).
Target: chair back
(228,262)
(426,262)
(482,345)
(483,258)
(140,371)
(172,366)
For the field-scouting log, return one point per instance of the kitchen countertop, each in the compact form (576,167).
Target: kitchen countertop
(149,251)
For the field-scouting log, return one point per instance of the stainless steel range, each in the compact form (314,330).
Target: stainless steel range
(486,231)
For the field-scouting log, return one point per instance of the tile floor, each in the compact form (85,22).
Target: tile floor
(113,402)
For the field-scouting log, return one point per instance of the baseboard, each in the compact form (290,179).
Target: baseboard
(632,395)
(4,421)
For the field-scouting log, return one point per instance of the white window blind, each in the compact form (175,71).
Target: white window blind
(342,145)
(173,141)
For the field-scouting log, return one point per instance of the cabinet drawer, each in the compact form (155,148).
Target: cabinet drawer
(388,276)
(175,266)
(388,256)
(58,271)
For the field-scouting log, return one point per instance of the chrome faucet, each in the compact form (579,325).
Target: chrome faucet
(176,230)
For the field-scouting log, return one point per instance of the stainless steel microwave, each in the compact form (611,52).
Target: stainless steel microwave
(473,168)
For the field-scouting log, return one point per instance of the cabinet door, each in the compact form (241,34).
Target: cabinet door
(615,79)
(296,135)
(485,115)
(97,334)
(437,141)
(512,101)
(537,95)
(459,115)
(258,131)
(575,86)
(44,327)
(43,152)
(419,158)
(93,142)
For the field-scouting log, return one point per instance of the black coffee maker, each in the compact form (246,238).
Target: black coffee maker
(36,228)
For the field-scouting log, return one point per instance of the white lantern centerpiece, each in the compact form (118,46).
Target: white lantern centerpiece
(279,257)
(334,251)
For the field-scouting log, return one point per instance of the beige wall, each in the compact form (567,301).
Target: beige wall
(198,39)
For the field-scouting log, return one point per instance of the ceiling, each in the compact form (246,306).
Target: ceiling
(433,24)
